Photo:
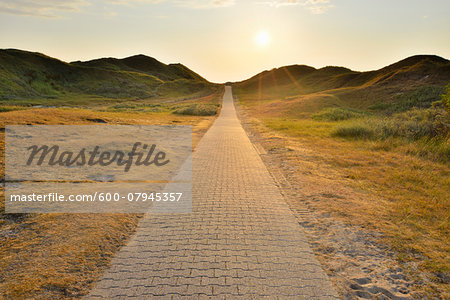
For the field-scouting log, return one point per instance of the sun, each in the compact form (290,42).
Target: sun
(262,38)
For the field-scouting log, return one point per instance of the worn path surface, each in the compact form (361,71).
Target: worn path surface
(240,242)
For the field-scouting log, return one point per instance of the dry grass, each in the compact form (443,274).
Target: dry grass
(55,256)
(49,256)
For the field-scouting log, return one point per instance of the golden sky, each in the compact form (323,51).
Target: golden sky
(230,40)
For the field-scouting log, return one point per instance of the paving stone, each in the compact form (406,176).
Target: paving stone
(241,240)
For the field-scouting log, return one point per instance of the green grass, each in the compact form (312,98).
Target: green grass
(423,97)
(428,129)
(203,106)
(139,107)
(420,132)
(180,87)
(415,124)
(69,99)
(445,99)
(355,130)
(337,114)
(5,108)
(300,127)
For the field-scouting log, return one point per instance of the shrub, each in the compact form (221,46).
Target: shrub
(124,106)
(6,108)
(336,114)
(197,110)
(357,130)
(422,97)
(415,124)
(445,99)
(427,131)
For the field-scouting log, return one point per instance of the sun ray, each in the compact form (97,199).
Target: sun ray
(259,90)
(292,79)
(275,81)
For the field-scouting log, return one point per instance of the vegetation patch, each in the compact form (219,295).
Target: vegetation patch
(422,97)
(138,107)
(6,108)
(337,114)
(428,129)
(198,110)
(356,130)
(415,124)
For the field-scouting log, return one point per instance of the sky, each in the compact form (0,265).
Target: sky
(231,40)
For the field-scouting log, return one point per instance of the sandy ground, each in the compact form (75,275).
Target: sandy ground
(360,265)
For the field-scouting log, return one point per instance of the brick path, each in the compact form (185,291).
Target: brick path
(240,242)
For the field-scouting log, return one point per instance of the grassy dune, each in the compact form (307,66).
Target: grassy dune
(28,78)
(385,133)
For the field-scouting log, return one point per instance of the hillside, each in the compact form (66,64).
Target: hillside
(29,75)
(367,149)
(338,86)
(143,64)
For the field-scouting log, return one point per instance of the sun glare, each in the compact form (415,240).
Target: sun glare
(262,38)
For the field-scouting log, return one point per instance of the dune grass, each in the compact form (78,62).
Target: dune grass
(422,97)
(398,155)
(337,114)
(427,129)
(355,130)
(198,110)
(5,108)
